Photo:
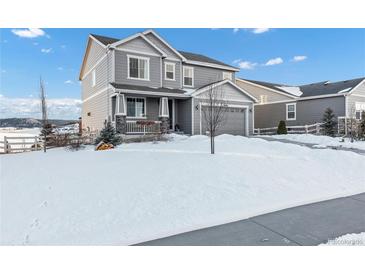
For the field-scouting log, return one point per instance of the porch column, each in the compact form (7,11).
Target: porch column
(121,115)
(164,114)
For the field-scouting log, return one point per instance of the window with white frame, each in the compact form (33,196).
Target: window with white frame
(291,111)
(136,107)
(227,75)
(263,99)
(358,114)
(93,78)
(188,75)
(170,71)
(138,67)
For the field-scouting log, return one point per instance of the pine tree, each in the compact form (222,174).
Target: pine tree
(329,122)
(108,135)
(282,128)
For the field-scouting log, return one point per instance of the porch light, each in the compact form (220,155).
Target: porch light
(164,107)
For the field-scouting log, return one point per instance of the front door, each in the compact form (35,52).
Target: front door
(171,114)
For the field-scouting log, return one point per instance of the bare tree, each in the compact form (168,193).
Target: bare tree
(46,127)
(214,109)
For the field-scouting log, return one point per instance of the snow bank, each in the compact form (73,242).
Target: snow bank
(144,191)
(321,141)
(348,239)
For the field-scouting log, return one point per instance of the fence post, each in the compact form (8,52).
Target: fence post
(306,129)
(144,129)
(5,145)
(317,129)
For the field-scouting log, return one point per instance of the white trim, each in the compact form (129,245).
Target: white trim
(346,106)
(174,71)
(161,81)
(295,111)
(173,114)
(97,41)
(230,100)
(357,95)
(199,91)
(164,42)
(211,65)
(153,93)
(139,58)
(320,96)
(138,52)
(162,103)
(125,40)
(192,78)
(145,107)
(93,67)
(277,102)
(253,116)
(95,94)
(354,88)
(113,65)
(267,88)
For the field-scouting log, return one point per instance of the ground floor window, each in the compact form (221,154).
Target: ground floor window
(136,107)
(358,114)
(291,111)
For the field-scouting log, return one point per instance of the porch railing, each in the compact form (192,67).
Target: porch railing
(143,127)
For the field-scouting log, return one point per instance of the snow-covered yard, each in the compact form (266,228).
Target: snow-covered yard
(143,191)
(321,141)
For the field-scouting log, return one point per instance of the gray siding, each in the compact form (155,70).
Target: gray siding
(139,44)
(121,70)
(258,91)
(308,112)
(206,75)
(96,51)
(357,96)
(162,46)
(183,109)
(169,83)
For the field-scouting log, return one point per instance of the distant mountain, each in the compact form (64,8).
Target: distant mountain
(30,122)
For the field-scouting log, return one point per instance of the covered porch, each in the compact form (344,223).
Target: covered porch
(138,114)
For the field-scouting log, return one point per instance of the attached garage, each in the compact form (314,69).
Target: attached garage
(238,118)
(234,122)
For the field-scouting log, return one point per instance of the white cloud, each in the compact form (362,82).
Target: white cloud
(260,30)
(46,50)
(28,33)
(63,108)
(69,82)
(246,65)
(235,30)
(274,61)
(299,58)
(60,68)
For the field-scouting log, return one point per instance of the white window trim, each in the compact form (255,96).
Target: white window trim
(164,102)
(116,106)
(93,78)
(145,107)
(139,58)
(174,70)
(227,73)
(192,68)
(295,111)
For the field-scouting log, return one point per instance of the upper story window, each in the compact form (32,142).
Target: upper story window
(138,67)
(263,99)
(93,78)
(227,75)
(188,74)
(291,111)
(169,71)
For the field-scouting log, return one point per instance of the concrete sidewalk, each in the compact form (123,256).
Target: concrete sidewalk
(310,224)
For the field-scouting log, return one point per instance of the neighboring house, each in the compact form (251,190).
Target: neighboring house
(143,78)
(304,105)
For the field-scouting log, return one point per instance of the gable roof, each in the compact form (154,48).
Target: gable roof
(327,88)
(315,89)
(104,39)
(204,59)
(220,83)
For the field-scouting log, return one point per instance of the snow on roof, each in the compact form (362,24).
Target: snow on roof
(292,90)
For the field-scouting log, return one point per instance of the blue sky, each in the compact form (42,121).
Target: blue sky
(262,54)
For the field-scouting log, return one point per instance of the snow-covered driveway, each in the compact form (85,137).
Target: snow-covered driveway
(143,191)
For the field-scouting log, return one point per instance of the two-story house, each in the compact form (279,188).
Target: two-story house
(143,78)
